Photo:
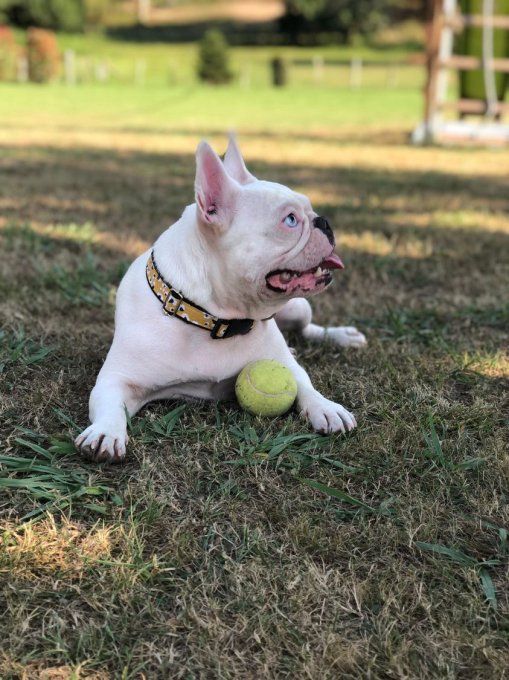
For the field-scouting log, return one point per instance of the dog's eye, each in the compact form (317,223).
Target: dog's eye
(291,221)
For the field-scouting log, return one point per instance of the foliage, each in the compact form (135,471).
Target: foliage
(8,54)
(59,15)
(96,11)
(306,20)
(43,478)
(213,61)
(43,55)
(17,349)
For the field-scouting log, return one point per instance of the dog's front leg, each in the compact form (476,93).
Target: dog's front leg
(106,438)
(323,414)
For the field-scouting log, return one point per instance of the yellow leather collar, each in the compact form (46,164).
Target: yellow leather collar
(175,304)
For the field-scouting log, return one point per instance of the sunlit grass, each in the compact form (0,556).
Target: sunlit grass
(52,548)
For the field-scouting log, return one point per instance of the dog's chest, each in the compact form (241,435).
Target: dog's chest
(180,352)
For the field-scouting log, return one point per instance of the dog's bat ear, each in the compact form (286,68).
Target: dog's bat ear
(234,163)
(214,188)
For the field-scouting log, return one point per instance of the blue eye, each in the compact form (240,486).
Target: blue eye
(291,221)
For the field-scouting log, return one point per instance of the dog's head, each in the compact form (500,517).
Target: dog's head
(270,242)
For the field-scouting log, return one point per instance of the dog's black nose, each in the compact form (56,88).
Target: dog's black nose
(322,224)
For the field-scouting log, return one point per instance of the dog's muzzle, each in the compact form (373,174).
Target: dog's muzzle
(322,224)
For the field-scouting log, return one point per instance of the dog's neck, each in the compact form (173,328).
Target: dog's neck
(188,262)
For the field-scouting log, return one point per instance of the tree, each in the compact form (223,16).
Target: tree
(143,10)
(213,61)
(306,19)
(58,15)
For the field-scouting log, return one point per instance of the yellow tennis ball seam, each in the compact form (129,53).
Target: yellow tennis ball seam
(272,395)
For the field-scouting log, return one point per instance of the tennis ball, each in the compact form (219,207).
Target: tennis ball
(266,388)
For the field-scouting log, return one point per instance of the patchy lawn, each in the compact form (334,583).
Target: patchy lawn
(229,546)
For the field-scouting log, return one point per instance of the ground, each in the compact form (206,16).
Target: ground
(229,546)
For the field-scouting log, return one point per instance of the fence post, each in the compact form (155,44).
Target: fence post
(101,71)
(70,67)
(140,71)
(355,73)
(392,75)
(245,76)
(172,77)
(317,68)
(22,70)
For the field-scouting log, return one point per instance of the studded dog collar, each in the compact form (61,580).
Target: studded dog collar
(175,304)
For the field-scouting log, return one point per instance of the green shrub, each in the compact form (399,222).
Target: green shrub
(279,73)
(213,62)
(43,55)
(8,54)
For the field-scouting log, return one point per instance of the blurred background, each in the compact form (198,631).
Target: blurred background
(155,60)
(337,87)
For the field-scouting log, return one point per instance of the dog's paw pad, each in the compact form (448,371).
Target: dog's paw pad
(100,444)
(345,336)
(327,417)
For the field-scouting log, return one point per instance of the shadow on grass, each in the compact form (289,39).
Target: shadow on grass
(396,255)
(144,192)
(381,137)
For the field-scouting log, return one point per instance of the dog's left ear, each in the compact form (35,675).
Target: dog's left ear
(234,163)
(214,189)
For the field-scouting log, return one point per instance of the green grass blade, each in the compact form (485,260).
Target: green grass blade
(435,451)
(340,465)
(471,463)
(455,555)
(95,507)
(35,447)
(488,588)
(65,419)
(336,493)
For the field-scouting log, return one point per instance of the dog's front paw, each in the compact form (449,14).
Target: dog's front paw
(325,416)
(102,444)
(345,336)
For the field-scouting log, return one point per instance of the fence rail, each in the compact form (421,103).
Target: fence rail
(316,70)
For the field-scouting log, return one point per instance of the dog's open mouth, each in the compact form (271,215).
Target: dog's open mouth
(288,280)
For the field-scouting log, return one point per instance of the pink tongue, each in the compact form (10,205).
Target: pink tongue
(332,262)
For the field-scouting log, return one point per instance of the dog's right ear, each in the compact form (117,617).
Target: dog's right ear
(234,163)
(214,188)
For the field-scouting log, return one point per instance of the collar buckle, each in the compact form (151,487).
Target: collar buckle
(172,302)
(224,328)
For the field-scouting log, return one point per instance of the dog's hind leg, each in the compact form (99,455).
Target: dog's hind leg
(106,438)
(296,315)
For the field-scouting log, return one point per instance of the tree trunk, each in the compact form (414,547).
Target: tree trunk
(143,11)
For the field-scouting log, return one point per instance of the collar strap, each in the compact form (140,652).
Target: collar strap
(175,304)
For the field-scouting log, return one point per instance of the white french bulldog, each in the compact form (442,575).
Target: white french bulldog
(212,296)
